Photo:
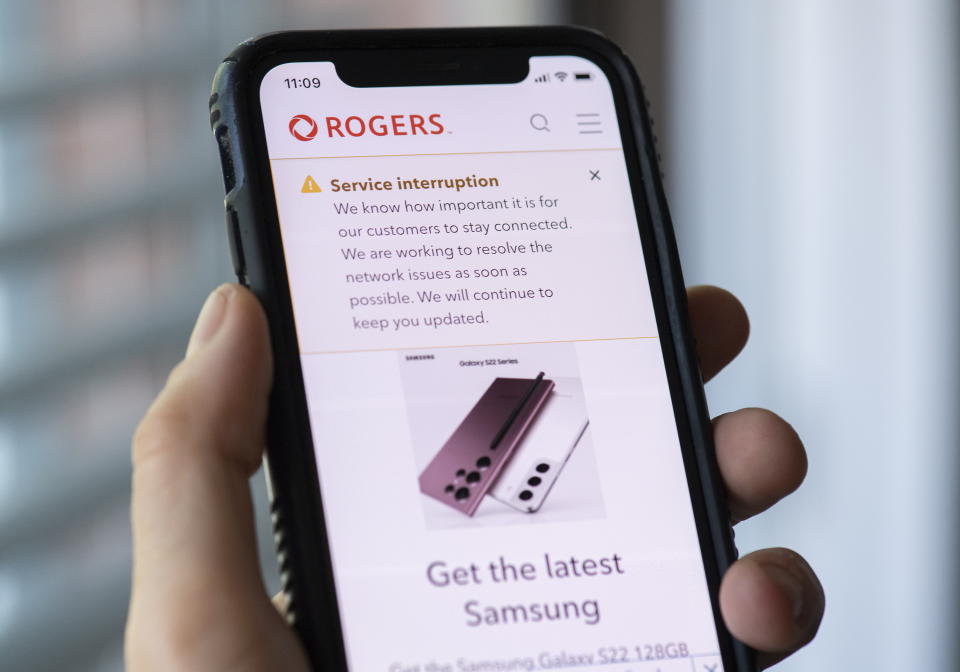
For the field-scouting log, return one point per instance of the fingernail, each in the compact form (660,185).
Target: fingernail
(211,317)
(791,586)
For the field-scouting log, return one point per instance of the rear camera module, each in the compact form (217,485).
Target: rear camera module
(543,467)
(461,473)
(473,477)
(462,493)
(525,495)
(534,481)
(449,488)
(483,462)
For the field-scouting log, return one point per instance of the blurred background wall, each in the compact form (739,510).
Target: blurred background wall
(811,151)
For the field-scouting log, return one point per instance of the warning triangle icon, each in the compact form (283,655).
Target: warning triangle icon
(310,186)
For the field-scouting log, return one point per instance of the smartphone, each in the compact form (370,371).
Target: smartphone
(469,462)
(434,194)
(536,462)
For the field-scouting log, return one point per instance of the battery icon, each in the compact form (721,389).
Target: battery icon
(582,75)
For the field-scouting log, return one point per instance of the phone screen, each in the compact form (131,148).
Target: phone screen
(495,440)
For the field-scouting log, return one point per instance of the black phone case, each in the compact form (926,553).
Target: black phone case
(253,232)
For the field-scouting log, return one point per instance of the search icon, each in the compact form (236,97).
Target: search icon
(539,122)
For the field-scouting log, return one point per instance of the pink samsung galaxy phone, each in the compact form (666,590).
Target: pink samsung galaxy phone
(469,462)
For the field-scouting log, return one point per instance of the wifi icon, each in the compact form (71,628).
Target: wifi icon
(560,75)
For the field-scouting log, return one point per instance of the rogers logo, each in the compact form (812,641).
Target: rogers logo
(378,124)
(311,131)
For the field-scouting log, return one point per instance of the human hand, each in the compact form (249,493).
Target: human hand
(198,602)
(770,599)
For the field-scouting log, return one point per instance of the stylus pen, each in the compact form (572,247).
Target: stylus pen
(498,437)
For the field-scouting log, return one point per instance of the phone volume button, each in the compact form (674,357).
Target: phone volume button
(236,245)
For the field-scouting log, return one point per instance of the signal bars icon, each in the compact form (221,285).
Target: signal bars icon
(545,77)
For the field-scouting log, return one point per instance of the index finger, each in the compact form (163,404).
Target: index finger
(720,327)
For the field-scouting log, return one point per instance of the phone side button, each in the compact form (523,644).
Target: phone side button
(236,245)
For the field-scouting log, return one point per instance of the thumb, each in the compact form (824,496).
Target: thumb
(195,560)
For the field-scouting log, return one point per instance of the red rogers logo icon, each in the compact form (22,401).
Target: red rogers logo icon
(311,131)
